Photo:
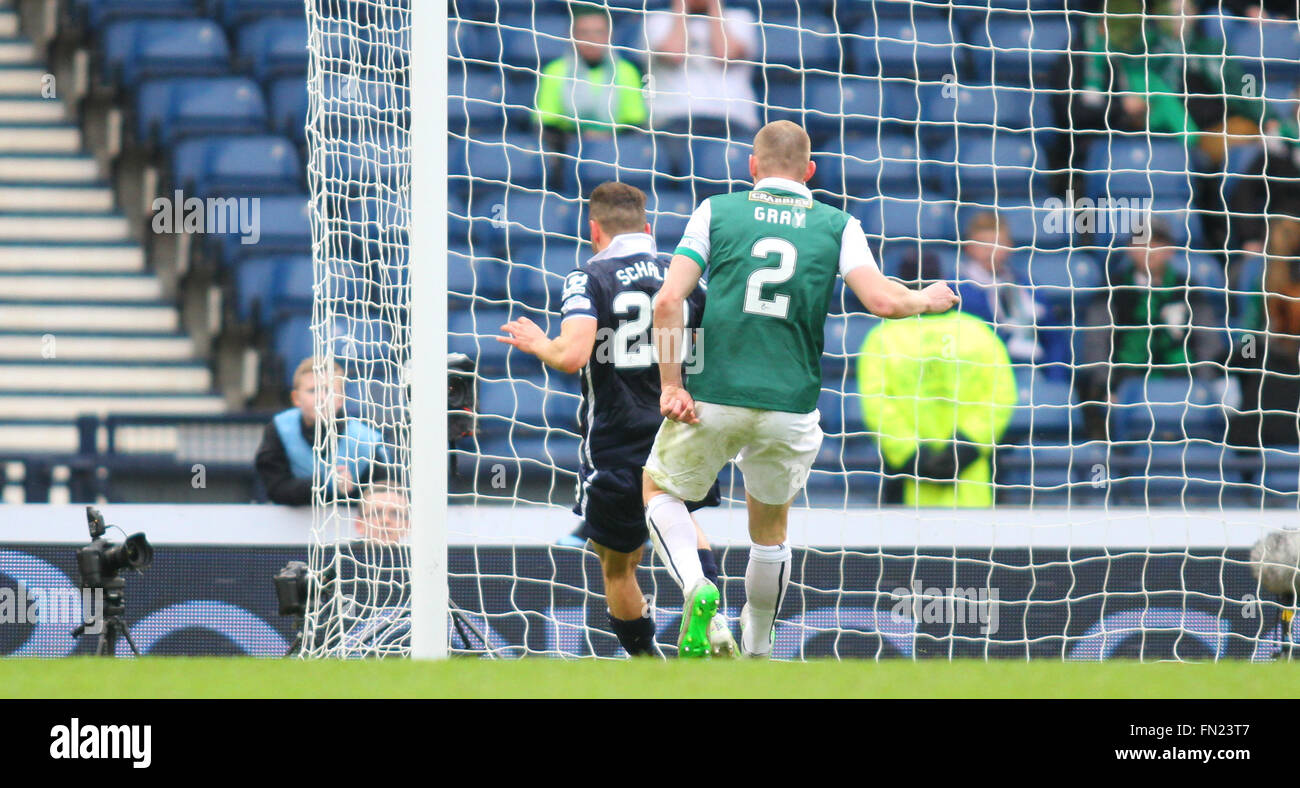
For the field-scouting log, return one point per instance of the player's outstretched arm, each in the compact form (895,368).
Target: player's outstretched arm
(886,298)
(683,275)
(569,352)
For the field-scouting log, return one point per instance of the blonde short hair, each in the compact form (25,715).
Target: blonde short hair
(306,367)
(782,148)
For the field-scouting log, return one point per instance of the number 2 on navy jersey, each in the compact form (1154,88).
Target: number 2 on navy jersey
(640,307)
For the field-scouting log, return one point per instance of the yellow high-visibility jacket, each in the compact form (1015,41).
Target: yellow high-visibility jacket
(927,378)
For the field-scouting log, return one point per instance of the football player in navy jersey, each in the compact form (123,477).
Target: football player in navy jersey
(605,337)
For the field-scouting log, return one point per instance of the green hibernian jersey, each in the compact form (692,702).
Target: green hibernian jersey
(771,256)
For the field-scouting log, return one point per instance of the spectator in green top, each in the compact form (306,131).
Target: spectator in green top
(1155,71)
(1152,324)
(590,89)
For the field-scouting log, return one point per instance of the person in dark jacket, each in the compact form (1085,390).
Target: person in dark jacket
(289,457)
(1153,323)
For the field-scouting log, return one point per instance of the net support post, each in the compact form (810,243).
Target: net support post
(427,263)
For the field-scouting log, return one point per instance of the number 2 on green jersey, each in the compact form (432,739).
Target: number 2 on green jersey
(778,305)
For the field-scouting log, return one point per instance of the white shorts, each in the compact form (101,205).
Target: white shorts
(774,450)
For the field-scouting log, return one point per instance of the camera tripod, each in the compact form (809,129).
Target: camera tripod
(110,621)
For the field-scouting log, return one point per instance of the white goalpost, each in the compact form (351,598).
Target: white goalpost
(427,262)
(1127,483)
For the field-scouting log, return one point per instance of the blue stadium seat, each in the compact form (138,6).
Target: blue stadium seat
(287,103)
(475,99)
(1186,472)
(628,157)
(1202,270)
(133,51)
(236,165)
(99,13)
(1277,469)
(925,219)
(1139,167)
(285,225)
(718,164)
(503,401)
(899,47)
(826,105)
(462,277)
(668,211)
(1044,411)
(1047,226)
(961,7)
(841,412)
(275,47)
(856,10)
(1247,282)
(363,166)
(558,258)
(515,159)
(171,109)
(887,164)
(521,278)
(844,335)
(283,228)
(1015,48)
(796,44)
(1113,225)
(519,219)
(988,106)
(469,39)
(291,340)
(1043,475)
(1059,277)
(363,109)
(267,284)
(1166,409)
(1270,47)
(977,164)
(474,332)
(233,13)
(531,41)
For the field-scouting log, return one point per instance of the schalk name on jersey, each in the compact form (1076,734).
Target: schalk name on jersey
(644,269)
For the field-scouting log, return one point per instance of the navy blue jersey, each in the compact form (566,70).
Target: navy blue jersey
(620,384)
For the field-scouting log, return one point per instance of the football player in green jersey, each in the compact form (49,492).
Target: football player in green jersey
(771,254)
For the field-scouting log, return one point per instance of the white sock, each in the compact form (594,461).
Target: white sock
(766,578)
(673,534)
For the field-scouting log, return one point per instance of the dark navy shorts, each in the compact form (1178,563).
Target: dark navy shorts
(613,514)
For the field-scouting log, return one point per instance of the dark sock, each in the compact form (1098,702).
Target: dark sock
(710,566)
(636,636)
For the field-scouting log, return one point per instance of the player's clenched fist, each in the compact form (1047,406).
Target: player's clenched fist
(676,404)
(939,297)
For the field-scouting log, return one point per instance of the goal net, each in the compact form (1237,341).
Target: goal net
(1111,191)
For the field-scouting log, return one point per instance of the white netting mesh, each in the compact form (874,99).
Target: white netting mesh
(1155,419)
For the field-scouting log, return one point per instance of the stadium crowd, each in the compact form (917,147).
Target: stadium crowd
(1117,197)
(1169,144)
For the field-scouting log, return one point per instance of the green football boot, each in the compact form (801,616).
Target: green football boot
(697,614)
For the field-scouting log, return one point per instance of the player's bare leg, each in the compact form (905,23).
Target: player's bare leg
(767,575)
(676,540)
(629,614)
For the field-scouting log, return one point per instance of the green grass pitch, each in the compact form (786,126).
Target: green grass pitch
(549,678)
